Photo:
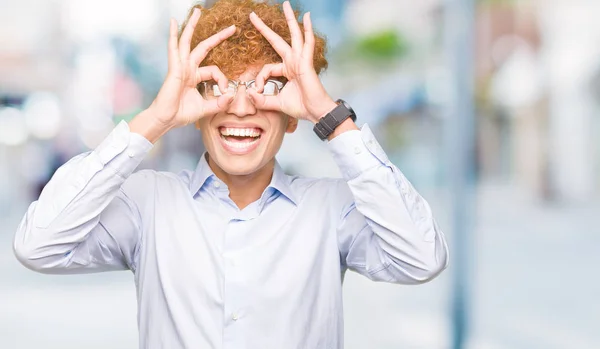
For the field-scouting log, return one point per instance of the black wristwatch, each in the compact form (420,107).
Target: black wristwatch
(333,119)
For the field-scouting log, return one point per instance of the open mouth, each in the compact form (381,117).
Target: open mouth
(240,140)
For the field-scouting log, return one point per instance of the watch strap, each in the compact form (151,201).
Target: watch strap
(333,119)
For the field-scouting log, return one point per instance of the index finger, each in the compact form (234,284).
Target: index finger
(188,31)
(202,49)
(295,33)
(280,46)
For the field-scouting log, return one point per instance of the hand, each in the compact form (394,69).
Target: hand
(178,102)
(303,97)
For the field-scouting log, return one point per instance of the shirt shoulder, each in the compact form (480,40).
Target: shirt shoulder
(334,191)
(143,184)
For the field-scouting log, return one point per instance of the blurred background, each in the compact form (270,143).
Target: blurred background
(509,160)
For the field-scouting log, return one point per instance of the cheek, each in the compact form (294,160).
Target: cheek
(279,122)
(205,127)
(203,124)
(278,127)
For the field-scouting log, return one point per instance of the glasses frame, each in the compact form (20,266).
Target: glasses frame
(236,84)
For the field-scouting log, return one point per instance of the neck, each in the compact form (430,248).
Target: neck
(245,189)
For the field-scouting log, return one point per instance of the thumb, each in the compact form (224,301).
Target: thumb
(261,101)
(214,106)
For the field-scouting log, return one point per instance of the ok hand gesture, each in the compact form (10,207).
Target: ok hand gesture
(178,102)
(304,96)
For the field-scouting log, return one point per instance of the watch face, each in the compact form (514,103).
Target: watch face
(345,104)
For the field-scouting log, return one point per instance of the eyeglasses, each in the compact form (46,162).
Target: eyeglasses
(210,89)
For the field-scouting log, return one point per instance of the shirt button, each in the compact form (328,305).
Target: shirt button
(234,317)
(357,150)
(130,154)
(216,184)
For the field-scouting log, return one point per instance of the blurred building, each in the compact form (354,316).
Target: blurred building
(537,66)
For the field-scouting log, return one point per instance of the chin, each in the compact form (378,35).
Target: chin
(240,151)
(239,165)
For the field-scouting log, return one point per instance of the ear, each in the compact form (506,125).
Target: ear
(292,125)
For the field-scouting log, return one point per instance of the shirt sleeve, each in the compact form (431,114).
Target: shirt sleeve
(386,231)
(84,221)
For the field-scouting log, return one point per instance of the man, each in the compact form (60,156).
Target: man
(236,254)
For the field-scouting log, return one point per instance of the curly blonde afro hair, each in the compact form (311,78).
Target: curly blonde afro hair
(247,47)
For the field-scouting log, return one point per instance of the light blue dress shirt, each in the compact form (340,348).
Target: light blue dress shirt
(209,275)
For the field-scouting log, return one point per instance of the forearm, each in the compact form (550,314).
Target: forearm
(147,124)
(70,205)
(401,220)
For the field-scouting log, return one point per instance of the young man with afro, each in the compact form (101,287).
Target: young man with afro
(236,253)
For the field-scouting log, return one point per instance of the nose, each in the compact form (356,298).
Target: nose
(241,105)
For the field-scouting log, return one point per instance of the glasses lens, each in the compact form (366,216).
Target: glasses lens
(215,90)
(272,88)
(210,89)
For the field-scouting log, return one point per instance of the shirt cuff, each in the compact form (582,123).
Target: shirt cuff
(123,150)
(356,152)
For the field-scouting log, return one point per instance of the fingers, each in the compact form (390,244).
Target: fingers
(263,102)
(295,32)
(173,52)
(212,72)
(186,37)
(309,36)
(215,106)
(280,46)
(268,70)
(202,49)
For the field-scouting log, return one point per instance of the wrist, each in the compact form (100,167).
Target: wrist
(347,125)
(149,125)
(324,108)
(336,119)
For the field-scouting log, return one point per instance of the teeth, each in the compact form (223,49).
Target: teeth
(240,145)
(240,132)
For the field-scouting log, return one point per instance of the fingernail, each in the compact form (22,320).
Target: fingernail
(252,14)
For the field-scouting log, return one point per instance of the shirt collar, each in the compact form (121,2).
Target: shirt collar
(280,181)
(202,173)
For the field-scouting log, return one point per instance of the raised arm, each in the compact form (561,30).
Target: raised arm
(386,230)
(84,219)
(87,218)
